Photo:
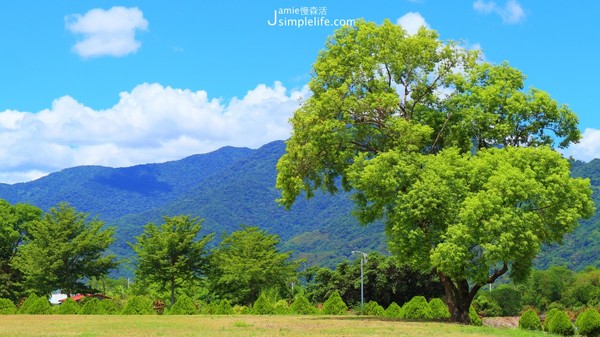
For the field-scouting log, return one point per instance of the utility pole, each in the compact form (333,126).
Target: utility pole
(363,260)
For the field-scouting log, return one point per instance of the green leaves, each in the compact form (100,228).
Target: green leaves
(63,249)
(171,254)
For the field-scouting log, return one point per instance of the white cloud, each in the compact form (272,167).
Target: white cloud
(511,12)
(588,147)
(107,32)
(411,22)
(151,123)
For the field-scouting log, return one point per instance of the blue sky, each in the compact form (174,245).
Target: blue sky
(119,83)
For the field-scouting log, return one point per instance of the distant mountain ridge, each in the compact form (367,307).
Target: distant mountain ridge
(234,186)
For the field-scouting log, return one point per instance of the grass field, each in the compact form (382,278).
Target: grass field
(187,326)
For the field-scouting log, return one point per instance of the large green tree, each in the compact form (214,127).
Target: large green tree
(449,151)
(246,262)
(171,255)
(64,249)
(15,221)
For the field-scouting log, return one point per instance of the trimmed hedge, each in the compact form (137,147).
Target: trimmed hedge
(417,308)
(334,305)
(439,309)
(183,306)
(138,305)
(282,307)
(262,306)
(301,306)
(394,311)
(530,321)
(29,301)
(561,324)
(374,309)
(109,307)
(68,307)
(549,316)
(7,307)
(474,317)
(91,306)
(40,307)
(588,323)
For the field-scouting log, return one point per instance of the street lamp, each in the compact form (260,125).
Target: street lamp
(363,260)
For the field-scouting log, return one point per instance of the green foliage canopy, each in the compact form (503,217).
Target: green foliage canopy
(171,254)
(450,152)
(246,262)
(62,250)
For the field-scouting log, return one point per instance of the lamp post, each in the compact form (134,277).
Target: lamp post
(363,260)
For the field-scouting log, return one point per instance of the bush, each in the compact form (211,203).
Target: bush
(109,307)
(29,301)
(530,321)
(183,306)
(281,307)
(549,316)
(417,308)
(40,307)
(263,306)
(560,324)
(68,307)
(241,310)
(474,317)
(138,305)
(91,306)
(335,305)
(301,306)
(374,309)
(486,305)
(588,323)
(439,309)
(7,307)
(224,308)
(394,311)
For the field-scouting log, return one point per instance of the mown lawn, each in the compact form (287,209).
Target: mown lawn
(179,326)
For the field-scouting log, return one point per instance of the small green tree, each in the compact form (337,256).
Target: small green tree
(335,305)
(138,305)
(301,306)
(68,307)
(394,311)
(530,321)
(247,262)
(171,254)
(439,309)
(588,323)
(63,250)
(183,306)
(7,307)
(40,307)
(224,308)
(417,308)
(561,324)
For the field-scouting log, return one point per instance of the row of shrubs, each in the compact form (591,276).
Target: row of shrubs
(417,308)
(559,323)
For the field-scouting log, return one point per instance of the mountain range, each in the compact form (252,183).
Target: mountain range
(234,186)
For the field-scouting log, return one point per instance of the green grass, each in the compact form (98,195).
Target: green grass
(188,326)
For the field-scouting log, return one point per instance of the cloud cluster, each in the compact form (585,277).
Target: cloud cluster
(107,32)
(511,12)
(588,147)
(152,123)
(411,22)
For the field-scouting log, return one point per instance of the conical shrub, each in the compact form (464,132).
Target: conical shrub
(68,307)
(393,311)
(138,305)
(417,308)
(301,306)
(439,309)
(183,306)
(7,307)
(334,305)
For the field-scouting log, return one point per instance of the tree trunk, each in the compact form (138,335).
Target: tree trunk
(459,298)
(172,292)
